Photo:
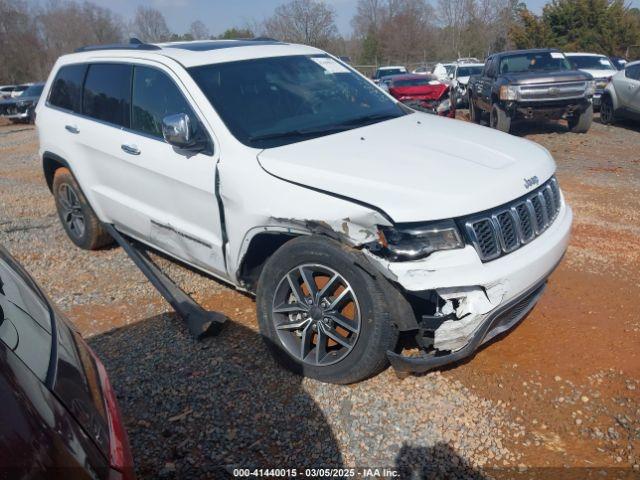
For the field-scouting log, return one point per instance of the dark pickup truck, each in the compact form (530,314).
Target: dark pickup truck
(531,84)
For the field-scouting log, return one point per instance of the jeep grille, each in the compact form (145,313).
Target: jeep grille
(506,228)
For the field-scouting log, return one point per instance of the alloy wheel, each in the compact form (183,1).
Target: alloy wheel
(71,211)
(316,315)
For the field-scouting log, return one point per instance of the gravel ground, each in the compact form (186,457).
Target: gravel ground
(202,408)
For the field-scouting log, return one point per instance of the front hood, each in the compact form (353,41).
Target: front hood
(599,74)
(534,78)
(415,168)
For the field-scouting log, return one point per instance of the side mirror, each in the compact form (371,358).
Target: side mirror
(178,130)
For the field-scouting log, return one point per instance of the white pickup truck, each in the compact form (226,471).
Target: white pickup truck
(362,227)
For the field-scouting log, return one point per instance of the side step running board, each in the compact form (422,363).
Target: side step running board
(200,322)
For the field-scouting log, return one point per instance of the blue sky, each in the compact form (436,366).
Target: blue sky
(219,15)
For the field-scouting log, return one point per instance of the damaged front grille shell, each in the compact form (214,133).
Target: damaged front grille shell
(502,230)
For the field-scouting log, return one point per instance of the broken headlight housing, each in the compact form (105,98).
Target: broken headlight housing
(403,243)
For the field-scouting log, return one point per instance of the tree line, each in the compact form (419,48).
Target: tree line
(33,36)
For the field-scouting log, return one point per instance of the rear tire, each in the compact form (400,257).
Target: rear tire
(582,122)
(499,119)
(78,219)
(607,115)
(367,335)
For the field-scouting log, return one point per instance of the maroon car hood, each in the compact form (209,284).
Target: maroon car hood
(421,92)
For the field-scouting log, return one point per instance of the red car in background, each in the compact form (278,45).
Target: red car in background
(421,92)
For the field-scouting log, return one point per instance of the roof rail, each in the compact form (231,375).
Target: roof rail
(134,44)
(261,39)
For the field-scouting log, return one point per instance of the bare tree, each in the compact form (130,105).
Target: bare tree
(311,22)
(150,26)
(20,54)
(199,30)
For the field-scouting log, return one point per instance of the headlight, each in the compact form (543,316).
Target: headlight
(24,103)
(590,88)
(509,92)
(409,243)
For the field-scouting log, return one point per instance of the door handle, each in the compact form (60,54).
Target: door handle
(72,129)
(130,149)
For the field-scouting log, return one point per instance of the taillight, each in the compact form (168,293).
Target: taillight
(119,451)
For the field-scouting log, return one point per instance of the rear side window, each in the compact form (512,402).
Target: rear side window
(66,91)
(154,97)
(107,93)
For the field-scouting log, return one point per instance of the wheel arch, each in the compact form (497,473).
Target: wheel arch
(257,249)
(50,163)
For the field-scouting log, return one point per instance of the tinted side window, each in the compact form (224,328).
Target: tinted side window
(107,93)
(154,97)
(66,91)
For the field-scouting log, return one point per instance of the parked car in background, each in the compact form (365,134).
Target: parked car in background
(22,108)
(598,66)
(420,92)
(358,223)
(387,71)
(444,71)
(59,415)
(422,70)
(621,97)
(460,81)
(531,84)
(467,60)
(5,91)
(11,91)
(618,62)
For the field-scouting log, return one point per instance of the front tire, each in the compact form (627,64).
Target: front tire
(474,113)
(582,122)
(499,119)
(607,114)
(78,219)
(321,314)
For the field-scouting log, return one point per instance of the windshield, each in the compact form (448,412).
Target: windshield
(590,62)
(386,72)
(468,71)
(534,62)
(33,91)
(270,102)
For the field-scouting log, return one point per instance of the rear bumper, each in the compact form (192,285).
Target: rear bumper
(497,322)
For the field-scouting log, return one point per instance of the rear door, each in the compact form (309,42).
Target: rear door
(485,83)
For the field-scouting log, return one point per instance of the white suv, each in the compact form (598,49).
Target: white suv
(363,227)
(621,97)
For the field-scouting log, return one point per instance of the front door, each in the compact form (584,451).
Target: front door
(149,189)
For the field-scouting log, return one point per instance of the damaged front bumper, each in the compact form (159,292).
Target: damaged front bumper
(474,301)
(496,322)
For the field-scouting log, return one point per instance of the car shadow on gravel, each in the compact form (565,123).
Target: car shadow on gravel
(202,408)
(434,463)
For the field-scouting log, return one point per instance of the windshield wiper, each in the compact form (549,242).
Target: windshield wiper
(326,130)
(298,133)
